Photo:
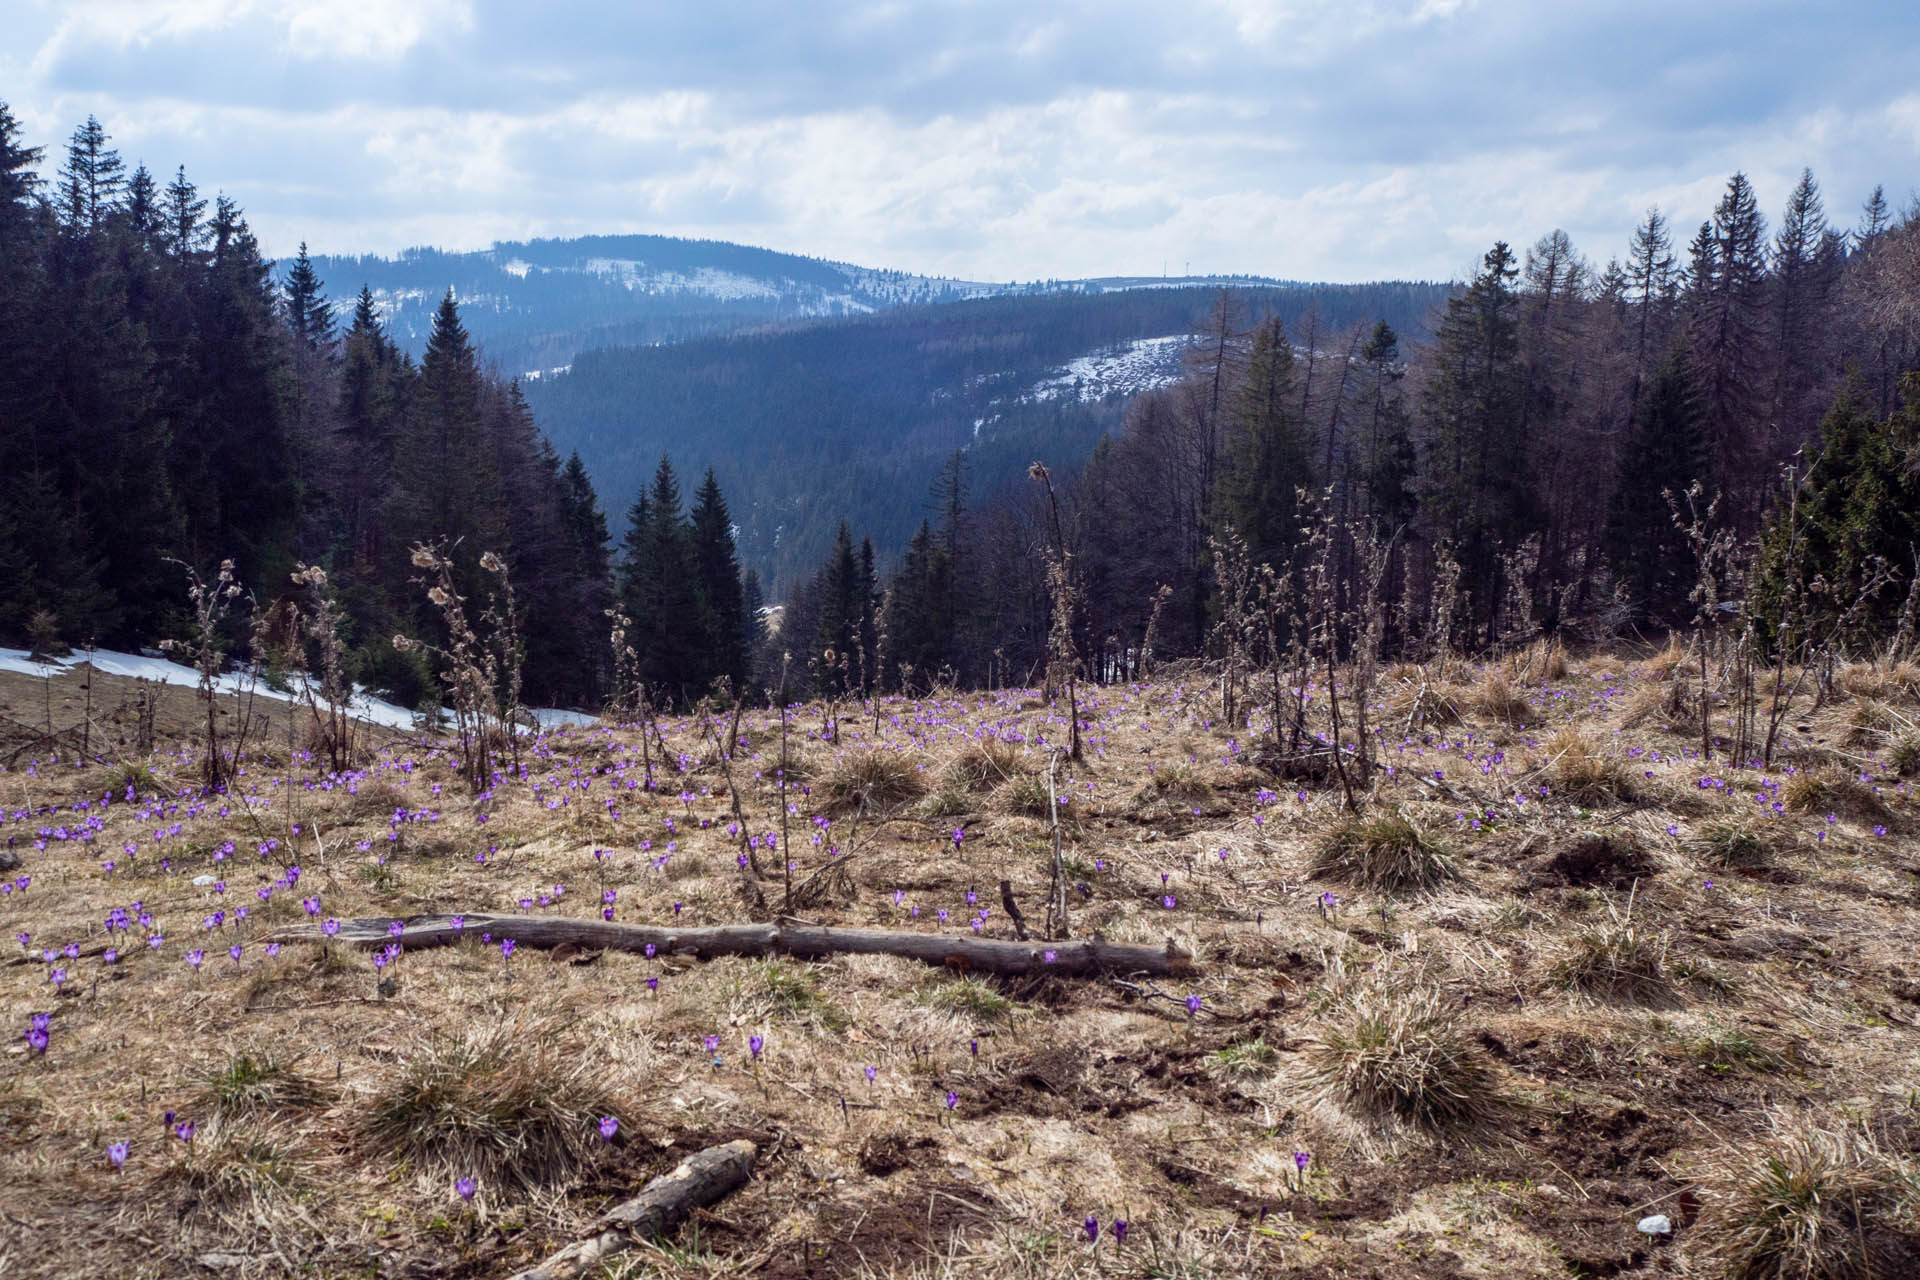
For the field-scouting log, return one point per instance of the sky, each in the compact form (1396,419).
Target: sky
(992,139)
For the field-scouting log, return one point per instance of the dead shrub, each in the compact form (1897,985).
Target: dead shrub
(870,781)
(1810,1204)
(1387,852)
(506,1105)
(1404,1056)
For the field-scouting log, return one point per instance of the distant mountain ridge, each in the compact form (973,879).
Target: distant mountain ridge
(533,305)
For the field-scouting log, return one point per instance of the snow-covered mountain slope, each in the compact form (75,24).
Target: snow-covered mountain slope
(535,305)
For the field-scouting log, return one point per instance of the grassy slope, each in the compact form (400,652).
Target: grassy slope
(1784,991)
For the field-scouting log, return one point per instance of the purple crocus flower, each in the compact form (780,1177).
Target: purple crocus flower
(463,1187)
(608,1127)
(117,1153)
(1092,1224)
(1193,1005)
(754,1045)
(953,1099)
(330,928)
(1301,1159)
(871,1073)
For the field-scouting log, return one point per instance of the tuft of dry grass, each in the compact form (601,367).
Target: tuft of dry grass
(1810,1204)
(1663,703)
(1586,776)
(1832,790)
(1386,851)
(1868,720)
(1025,796)
(1618,961)
(253,1082)
(1495,698)
(1904,757)
(1894,682)
(229,1173)
(983,763)
(869,781)
(1732,843)
(1403,1055)
(507,1105)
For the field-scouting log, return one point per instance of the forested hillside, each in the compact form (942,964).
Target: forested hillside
(1709,427)
(852,420)
(166,407)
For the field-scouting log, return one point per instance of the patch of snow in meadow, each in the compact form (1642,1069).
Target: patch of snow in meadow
(140,667)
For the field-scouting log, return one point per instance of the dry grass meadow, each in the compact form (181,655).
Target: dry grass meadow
(1559,975)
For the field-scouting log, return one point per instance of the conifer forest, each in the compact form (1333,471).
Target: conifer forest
(637,756)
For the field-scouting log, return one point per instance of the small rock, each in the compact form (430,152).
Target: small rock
(201,882)
(1657,1225)
(9,860)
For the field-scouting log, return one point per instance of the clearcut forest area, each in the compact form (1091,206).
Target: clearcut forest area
(1564,972)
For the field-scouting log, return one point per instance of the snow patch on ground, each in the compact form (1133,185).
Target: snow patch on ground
(1128,369)
(139,667)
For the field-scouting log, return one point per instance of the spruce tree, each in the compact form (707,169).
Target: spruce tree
(1481,495)
(717,577)
(309,315)
(92,181)
(1268,453)
(1663,454)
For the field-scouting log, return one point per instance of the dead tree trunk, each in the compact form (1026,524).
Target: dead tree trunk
(1077,958)
(663,1204)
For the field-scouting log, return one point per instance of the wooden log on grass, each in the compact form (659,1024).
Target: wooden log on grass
(663,1204)
(1068,958)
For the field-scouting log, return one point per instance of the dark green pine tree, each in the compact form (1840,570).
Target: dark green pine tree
(717,578)
(1857,510)
(753,624)
(92,181)
(837,630)
(1268,453)
(182,211)
(367,416)
(1481,498)
(238,462)
(672,660)
(1664,453)
(448,471)
(309,314)
(633,577)
(1386,465)
(916,634)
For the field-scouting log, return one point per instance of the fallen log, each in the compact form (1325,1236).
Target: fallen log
(1067,958)
(663,1204)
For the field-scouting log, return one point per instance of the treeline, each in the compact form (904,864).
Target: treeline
(162,400)
(848,420)
(1570,452)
